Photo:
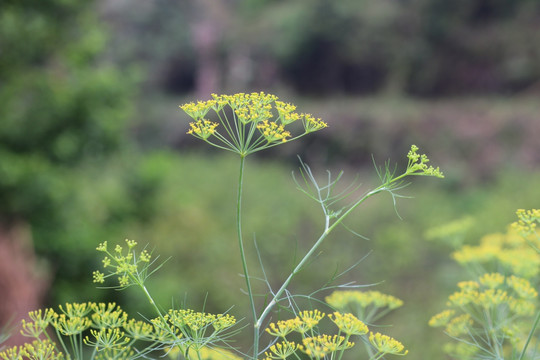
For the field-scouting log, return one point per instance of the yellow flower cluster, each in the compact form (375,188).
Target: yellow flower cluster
(441,318)
(112,333)
(283,328)
(349,324)
(509,251)
(418,164)
(494,302)
(129,267)
(317,346)
(527,223)
(199,321)
(281,350)
(241,115)
(492,314)
(273,132)
(311,124)
(44,349)
(492,290)
(387,345)
(321,345)
(202,129)
(460,325)
(352,300)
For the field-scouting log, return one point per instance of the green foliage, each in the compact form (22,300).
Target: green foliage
(64,108)
(59,103)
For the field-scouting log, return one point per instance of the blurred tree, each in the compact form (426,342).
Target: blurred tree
(61,106)
(420,47)
(476,46)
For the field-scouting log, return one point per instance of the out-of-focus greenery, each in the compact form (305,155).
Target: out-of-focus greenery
(194,213)
(63,112)
(421,47)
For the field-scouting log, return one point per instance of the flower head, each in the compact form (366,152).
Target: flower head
(250,122)
(386,345)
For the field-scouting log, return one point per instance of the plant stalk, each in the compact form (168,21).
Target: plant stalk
(243,255)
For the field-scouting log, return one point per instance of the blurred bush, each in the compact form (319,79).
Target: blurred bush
(320,47)
(63,111)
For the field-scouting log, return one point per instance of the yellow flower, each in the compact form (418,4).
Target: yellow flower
(320,346)
(273,132)
(202,129)
(281,350)
(308,320)
(387,345)
(71,326)
(43,349)
(441,318)
(250,112)
(348,323)
(284,327)
(492,281)
(341,299)
(311,124)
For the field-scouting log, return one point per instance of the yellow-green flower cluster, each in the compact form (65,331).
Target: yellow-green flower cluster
(281,350)
(418,164)
(129,267)
(493,302)
(113,335)
(348,323)
(196,324)
(273,132)
(386,345)
(250,122)
(36,350)
(492,314)
(318,346)
(527,224)
(194,329)
(508,251)
(109,327)
(492,290)
(366,305)
(202,129)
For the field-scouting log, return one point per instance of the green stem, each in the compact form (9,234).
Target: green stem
(327,230)
(243,255)
(530,336)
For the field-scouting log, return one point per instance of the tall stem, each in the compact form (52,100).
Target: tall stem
(327,230)
(535,325)
(243,255)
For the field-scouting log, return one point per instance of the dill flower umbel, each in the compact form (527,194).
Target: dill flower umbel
(281,350)
(320,346)
(368,306)
(283,328)
(249,122)
(491,314)
(386,345)
(348,324)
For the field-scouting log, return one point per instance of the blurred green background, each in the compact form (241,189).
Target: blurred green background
(93,146)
